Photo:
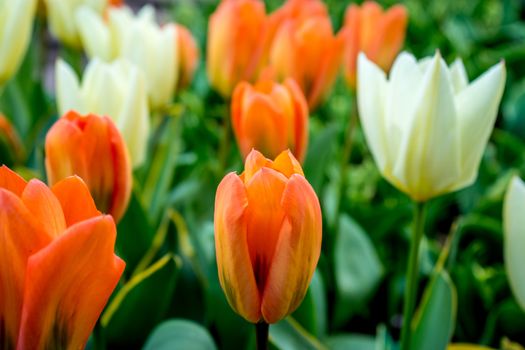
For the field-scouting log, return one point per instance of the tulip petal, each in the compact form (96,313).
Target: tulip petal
(67,88)
(233,258)
(11,181)
(44,207)
(297,251)
(514,242)
(286,164)
(371,93)
(68,284)
(20,237)
(253,163)
(75,199)
(477,108)
(390,37)
(94,33)
(458,75)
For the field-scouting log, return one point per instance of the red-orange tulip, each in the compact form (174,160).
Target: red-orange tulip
(57,263)
(379,34)
(267,237)
(188,56)
(270,117)
(236,35)
(92,148)
(305,48)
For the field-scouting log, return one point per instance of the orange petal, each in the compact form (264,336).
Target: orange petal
(352,44)
(286,164)
(253,163)
(20,237)
(238,96)
(75,199)
(44,207)
(68,283)
(391,36)
(233,258)
(297,251)
(11,181)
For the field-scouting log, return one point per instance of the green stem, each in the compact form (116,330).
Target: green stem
(261,335)
(224,146)
(412,275)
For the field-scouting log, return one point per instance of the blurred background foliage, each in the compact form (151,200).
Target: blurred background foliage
(355,298)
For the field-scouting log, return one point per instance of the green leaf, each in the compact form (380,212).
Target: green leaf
(434,322)
(312,312)
(358,269)
(179,334)
(289,335)
(351,342)
(141,303)
(318,155)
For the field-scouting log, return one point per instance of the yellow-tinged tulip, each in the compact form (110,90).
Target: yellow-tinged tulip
(92,148)
(377,33)
(116,90)
(267,237)
(270,117)
(57,263)
(236,35)
(16,23)
(139,39)
(514,243)
(426,126)
(61,17)
(189,56)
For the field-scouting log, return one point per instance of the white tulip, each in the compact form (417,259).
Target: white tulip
(426,126)
(139,39)
(16,23)
(61,16)
(514,240)
(114,89)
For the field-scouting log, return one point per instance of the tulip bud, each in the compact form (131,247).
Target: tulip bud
(61,16)
(10,143)
(140,40)
(236,34)
(426,126)
(379,34)
(270,117)
(15,33)
(189,56)
(305,48)
(267,237)
(117,90)
(92,148)
(57,263)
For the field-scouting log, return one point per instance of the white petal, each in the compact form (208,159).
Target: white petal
(94,33)
(67,89)
(514,243)
(477,108)
(459,76)
(370,96)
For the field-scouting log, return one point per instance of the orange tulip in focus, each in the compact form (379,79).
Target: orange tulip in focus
(57,263)
(236,34)
(267,237)
(92,148)
(270,117)
(305,48)
(188,56)
(379,34)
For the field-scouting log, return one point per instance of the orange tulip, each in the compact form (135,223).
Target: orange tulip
(57,265)
(10,141)
(92,148)
(305,48)
(379,34)
(270,117)
(236,35)
(188,56)
(267,237)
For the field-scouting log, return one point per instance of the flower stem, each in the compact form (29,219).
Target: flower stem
(224,145)
(261,335)
(412,274)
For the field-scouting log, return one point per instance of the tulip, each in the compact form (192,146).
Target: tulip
(379,34)
(114,89)
(92,148)
(305,49)
(10,142)
(514,230)
(61,16)
(15,33)
(57,263)
(189,56)
(139,39)
(236,35)
(270,117)
(267,237)
(426,126)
